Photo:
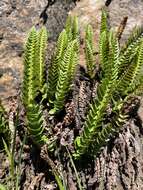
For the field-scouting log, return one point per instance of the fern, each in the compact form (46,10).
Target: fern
(30,88)
(70,33)
(72,28)
(94,119)
(96,114)
(126,85)
(130,48)
(111,84)
(75,28)
(35,123)
(108,131)
(66,75)
(68,27)
(104,46)
(42,45)
(104,24)
(104,53)
(137,75)
(135,36)
(33,81)
(54,68)
(89,52)
(121,73)
(132,76)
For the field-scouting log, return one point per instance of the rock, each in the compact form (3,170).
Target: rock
(57,15)
(130,8)
(89,12)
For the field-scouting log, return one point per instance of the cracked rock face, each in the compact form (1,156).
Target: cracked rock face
(16,18)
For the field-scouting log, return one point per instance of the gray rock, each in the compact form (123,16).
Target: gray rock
(122,8)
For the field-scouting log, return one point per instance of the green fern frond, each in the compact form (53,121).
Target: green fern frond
(138,72)
(35,123)
(68,27)
(97,110)
(75,28)
(33,81)
(104,24)
(104,44)
(114,85)
(42,45)
(124,81)
(139,87)
(34,64)
(72,28)
(29,89)
(109,131)
(135,35)
(131,78)
(109,54)
(114,53)
(94,119)
(61,45)
(128,52)
(66,74)
(89,35)
(89,52)
(104,53)
(108,48)
(54,68)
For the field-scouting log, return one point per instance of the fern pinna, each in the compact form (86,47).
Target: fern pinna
(115,87)
(33,81)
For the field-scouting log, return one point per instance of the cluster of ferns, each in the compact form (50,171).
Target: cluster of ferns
(120,77)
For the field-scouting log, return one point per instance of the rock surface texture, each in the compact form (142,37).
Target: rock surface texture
(130,8)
